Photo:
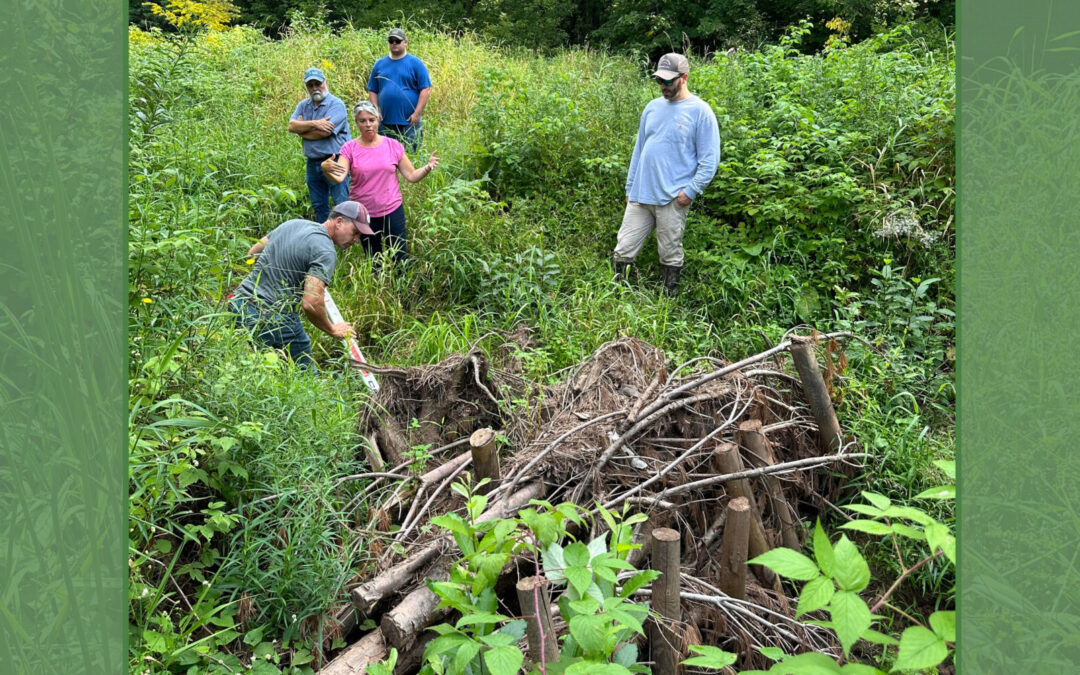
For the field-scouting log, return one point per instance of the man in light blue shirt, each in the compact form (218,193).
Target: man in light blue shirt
(323,124)
(675,156)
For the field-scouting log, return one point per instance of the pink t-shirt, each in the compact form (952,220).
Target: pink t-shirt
(373,175)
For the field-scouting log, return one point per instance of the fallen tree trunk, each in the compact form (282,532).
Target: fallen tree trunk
(358,656)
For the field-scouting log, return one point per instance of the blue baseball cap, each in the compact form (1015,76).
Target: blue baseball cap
(313,74)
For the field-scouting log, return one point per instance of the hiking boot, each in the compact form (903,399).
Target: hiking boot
(621,268)
(671,280)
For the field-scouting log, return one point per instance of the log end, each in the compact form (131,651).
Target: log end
(481,437)
(665,534)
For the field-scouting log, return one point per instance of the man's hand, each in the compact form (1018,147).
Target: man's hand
(682,199)
(336,171)
(323,125)
(414,119)
(341,330)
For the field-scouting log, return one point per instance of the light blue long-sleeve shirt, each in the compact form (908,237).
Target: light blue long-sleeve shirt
(677,148)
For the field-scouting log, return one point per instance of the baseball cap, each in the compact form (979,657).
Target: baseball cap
(313,74)
(396,33)
(671,66)
(355,212)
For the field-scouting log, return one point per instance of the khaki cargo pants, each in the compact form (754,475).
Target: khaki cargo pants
(669,221)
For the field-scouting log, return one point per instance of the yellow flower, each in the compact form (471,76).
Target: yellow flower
(251,261)
(326,66)
(147,300)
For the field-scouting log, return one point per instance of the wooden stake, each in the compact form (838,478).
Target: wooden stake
(536,608)
(733,549)
(371,451)
(485,458)
(802,353)
(750,437)
(728,460)
(665,602)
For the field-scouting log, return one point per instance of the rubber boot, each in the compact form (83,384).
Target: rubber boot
(671,280)
(621,268)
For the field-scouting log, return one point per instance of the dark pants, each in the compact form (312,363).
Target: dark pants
(321,190)
(389,235)
(410,136)
(280,331)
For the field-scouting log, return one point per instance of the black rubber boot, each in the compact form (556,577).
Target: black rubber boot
(622,269)
(671,280)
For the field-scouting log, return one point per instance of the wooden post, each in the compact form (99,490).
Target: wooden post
(733,548)
(802,353)
(536,608)
(750,437)
(485,458)
(728,460)
(665,602)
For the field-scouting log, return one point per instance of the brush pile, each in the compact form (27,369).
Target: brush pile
(679,442)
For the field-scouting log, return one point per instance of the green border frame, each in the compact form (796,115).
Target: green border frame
(1019,188)
(62,317)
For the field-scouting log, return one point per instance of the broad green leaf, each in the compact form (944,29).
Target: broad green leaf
(948,466)
(515,629)
(577,555)
(585,605)
(774,653)
(815,594)
(939,536)
(710,657)
(497,639)
(910,513)
(860,669)
(823,550)
(880,638)
(788,563)
(156,643)
(865,509)
(504,659)
(637,581)
(580,578)
(460,489)
(626,655)
(850,617)
(452,522)
(944,625)
(597,546)
(908,531)
(880,501)
(851,572)
(591,633)
(479,618)
(940,492)
(867,526)
(810,663)
(554,562)
(919,649)
(465,653)
(596,668)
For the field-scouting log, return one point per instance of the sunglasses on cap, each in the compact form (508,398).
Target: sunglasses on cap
(667,83)
(395,41)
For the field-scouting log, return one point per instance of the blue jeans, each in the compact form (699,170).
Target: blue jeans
(277,330)
(389,234)
(321,190)
(410,136)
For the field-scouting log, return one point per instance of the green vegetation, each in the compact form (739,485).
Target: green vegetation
(832,209)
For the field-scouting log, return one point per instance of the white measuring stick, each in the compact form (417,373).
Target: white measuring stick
(350,344)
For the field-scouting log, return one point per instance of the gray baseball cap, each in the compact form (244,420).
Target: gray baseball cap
(671,66)
(396,33)
(355,212)
(313,74)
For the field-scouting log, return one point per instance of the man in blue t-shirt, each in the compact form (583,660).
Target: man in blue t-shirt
(323,124)
(399,86)
(675,156)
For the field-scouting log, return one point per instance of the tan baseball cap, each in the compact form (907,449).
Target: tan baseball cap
(355,212)
(671,66)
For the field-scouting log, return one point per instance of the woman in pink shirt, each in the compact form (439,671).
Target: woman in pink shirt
(372,163)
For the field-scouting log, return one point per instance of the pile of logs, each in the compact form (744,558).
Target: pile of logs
(721,461)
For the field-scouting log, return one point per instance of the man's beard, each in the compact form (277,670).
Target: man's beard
(318,96)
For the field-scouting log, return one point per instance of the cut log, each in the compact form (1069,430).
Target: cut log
(358,656)
(367,595)
(750,437)
(663,643)
(536,608)
(485,459)
(733,548)
(402,623)
(802,353)
(728,460)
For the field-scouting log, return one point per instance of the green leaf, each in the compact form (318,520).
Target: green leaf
(909,513)
(627,655)
(596,668)
(479,618)
(773,653)
(939,536)
(866,510)
(940,492)
(851,572)
(850,617)
(810,663)
(497,639)
(860,669)
(919,649)
(944,625)
(867,526)
(908,531)
(823,550)
(815,594)
(711,657)
(504,659)
(253,636)
(788,563)
(155,641)
(577,555)
(948,466)
(591,633)
(880,501)
(464,654)
(880,638)
(637,581)
(580,578)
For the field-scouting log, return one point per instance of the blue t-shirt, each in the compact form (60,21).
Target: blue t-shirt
(398,84)
(333,108)
(677,148)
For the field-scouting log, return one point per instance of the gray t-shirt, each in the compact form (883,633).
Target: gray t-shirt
(294,250)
